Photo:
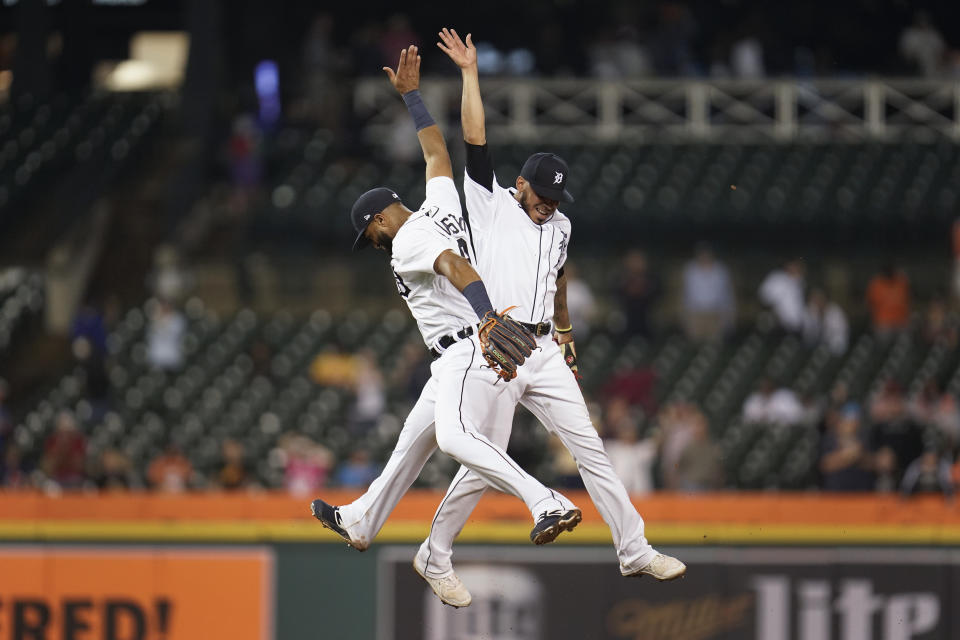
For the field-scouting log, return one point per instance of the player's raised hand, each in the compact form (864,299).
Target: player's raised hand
(465,55)
(407,76)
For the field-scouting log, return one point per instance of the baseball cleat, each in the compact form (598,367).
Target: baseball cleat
(329,517)
(552,523)
(450,589)
(662,568)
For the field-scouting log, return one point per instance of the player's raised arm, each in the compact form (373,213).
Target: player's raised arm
(464,54)
(406,80)
(479,163)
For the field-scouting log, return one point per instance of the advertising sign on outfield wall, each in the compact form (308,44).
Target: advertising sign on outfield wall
(728,594)
(142,593)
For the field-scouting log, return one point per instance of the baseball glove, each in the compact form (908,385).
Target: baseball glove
(569,353)
(505,343)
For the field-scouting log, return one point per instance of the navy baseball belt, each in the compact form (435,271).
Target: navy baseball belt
(449,340)
(539,329)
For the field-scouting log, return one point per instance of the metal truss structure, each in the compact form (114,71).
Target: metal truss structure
(587,111)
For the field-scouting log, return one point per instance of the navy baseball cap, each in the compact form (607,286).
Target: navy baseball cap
(368,205)
(547,174)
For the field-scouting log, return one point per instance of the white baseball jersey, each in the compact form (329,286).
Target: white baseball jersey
(519,259)
(462,392)
(437,306)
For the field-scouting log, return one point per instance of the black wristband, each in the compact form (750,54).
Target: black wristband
(476,295)
(418,111)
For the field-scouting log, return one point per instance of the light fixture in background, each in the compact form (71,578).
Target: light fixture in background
(157,61)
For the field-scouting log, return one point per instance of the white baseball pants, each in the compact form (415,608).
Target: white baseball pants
(547,387)
(452,414)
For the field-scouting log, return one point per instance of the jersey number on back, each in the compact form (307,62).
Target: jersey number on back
(452,225)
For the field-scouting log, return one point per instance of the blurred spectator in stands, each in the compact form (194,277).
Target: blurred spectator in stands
(939,324)
(813,406)
(631,457)
(746,51)
(637,292)
(234,472)
(322,63)
(838,402)
(165,335)
(839,398)
(746,58)
(244,162)
(89,348)
(782,291)
(935,408)
(334,367)
(397,35)
(888,298)
(951,64)
(401,147)
(709,308)
(845,461)
(619,55)
(14,473)
(770,404)
(921,46)
(6,422)
(171,471)
(824,322)
(892,426)
(307,466)
(168,279)
(930,473)
(411,371)
(365,54)
(581,304)
(64,453)
(671,45)
(886,470)
(89,327)
(678,422)
(700,465)
(358,471)
(113,471)
(955,288)
(564,467)
(371,398)
(554,56)
(636,385)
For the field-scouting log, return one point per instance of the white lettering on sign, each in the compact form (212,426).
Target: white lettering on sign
(855,610)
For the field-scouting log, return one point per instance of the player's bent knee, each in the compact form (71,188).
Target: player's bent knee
(456,444)
(449,441)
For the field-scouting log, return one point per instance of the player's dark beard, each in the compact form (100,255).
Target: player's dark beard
(385,241)
(524,202)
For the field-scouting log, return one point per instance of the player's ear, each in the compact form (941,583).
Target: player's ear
(520,183)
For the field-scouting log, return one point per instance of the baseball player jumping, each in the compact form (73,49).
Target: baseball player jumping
(521,242)
(431,261)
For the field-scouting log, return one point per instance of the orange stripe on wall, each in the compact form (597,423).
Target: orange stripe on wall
(745,508)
